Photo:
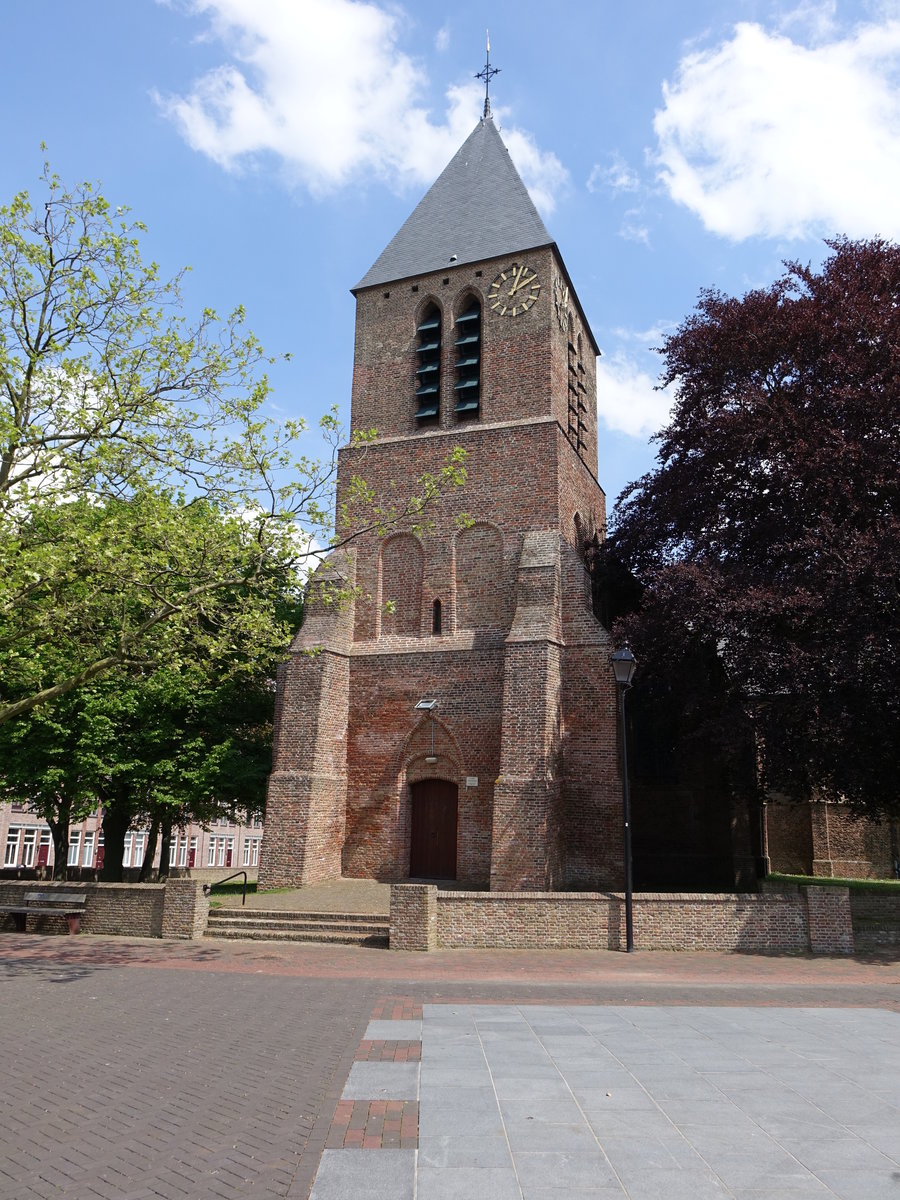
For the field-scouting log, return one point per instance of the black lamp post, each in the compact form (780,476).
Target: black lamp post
(624,664)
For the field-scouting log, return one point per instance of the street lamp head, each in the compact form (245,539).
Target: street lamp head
(623,664)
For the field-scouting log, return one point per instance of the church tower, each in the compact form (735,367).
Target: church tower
(458,717)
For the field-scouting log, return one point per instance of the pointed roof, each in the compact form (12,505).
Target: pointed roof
(478,208)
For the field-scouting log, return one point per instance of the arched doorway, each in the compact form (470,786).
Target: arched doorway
(432,851)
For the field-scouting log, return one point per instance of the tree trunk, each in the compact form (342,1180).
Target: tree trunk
(116,819)
(59,830)
(165,850)
(152,839)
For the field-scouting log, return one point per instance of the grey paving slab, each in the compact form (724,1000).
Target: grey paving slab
(560,1168)
(382,1081)
(394,1031)
(661,1183)
(642,1149)
(465,1150)
(365,1175)
(442,1183)
(459,1121)
(614,1192)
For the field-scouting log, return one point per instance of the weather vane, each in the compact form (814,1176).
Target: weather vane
(487,75)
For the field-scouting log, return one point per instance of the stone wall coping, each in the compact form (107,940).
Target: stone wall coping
(46,885)
(639,897)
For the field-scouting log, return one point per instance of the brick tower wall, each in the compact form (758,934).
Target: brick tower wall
(525,722)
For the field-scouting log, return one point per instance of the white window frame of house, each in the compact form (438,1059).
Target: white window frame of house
(140,845)
(182,851)
(11,854)
(74,848)
(254,857)
(173,850)
(195,846)
(229,850)
(87,855)
(29,841)
(47,840)
(127,849)
(211,853)
(245,862)
(220,857)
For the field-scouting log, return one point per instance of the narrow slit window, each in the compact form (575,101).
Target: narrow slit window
(436,618)
(428,364)
(468,360)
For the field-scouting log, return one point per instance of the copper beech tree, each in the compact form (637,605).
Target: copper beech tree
(765,544)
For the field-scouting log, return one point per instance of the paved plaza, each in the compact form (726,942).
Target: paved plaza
(547,1102)
(136,1070)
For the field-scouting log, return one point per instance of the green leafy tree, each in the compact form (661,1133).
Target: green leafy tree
(127,435)
(186,740)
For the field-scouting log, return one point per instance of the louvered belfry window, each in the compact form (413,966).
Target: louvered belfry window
(428,364)
(468,359)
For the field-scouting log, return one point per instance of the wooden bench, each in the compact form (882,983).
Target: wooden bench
(57,904)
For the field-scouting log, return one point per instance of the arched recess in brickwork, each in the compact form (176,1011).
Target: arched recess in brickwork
(429,756)
(482,599)
(400,580)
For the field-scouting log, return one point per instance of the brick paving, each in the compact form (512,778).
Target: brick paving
(134,1069)
(378,1050)
(374,1125)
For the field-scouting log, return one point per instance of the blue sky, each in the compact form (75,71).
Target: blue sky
(276,146)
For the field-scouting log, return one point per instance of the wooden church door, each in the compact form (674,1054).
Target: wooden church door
(432,852)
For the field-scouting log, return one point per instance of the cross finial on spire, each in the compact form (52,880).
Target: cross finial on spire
(487,75)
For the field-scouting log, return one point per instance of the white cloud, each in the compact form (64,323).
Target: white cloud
(442,38)
(324,87)
(618,177)
(764,136)
(627,399)
(633,228)
(542,172)
(817,17)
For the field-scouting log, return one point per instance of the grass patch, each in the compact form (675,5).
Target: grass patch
(855,885)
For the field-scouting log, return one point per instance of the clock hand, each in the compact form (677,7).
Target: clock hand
(516,278)
(521,281)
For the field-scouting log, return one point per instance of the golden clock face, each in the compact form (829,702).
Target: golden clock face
(514,290)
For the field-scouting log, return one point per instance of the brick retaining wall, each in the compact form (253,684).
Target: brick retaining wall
(177,909)
(876,919)
(794,921)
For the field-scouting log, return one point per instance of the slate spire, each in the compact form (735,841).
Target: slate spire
(478,208)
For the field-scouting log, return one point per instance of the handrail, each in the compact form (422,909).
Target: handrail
(208,887)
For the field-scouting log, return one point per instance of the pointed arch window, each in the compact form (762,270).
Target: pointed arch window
(468,359)
(428,364)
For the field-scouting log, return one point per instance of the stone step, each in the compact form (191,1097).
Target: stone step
(290,914)
(346,929)
(255,933)
(229,922)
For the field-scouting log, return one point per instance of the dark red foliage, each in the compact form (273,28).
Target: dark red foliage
(770,529)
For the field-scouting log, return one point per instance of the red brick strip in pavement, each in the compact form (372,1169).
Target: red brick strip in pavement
(381,1124)
(381,1051)
(374,1125)
(397,1008)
